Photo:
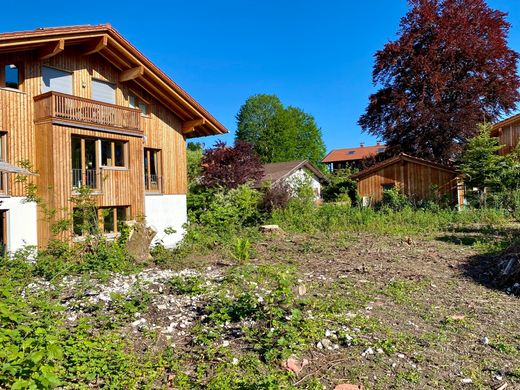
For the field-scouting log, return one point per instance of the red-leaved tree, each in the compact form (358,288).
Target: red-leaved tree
(229,167)
(449,69)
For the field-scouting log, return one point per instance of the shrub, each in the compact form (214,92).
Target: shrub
(341,188)
(230,167)
(394,199)
(275,197)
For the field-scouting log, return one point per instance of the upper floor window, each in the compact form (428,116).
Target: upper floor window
(113,153)
(103,91)
(56,80)
(12,76)
(137,102)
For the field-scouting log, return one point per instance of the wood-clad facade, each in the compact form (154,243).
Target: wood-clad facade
(508,134)
(418,179)
(89,109)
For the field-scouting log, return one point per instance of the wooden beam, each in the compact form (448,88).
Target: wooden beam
(96,45)
(52,49)
(132,73)
(189,126)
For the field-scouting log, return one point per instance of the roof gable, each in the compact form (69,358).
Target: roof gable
(399,158)
(133,65)
(275,172)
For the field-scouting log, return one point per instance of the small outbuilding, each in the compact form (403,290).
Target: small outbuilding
(417,178)
(293,173)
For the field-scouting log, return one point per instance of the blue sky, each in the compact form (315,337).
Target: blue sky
(316,55)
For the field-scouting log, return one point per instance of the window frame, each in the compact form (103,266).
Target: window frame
(4,178)
(21,77)
(138,99)
(99,213)
(159,170)
(112,142)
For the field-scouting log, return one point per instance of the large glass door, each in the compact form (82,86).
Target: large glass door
(84,162)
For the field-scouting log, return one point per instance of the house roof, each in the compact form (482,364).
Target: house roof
(274,172)
(107,42)
(506,122)
(352,154)
(398,158)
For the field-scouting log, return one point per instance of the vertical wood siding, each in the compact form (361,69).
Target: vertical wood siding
(415,180)
(48,148)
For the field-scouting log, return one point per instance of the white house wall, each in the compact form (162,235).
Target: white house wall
(164,212)
(21,223)
(302,175)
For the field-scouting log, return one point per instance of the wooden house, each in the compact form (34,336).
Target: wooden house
(415,177)
(86,108)
(351,157)
(293,173)
(508,133)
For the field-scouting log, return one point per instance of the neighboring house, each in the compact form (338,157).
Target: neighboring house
(351,157)
(508,133)
(294,173)
(414,176)
(86,108)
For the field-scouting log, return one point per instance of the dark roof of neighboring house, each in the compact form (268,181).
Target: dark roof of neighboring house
(401,157)
(508,121)
(352,154)
(123,55)
(274,172)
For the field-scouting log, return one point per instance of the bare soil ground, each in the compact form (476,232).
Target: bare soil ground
(437,323)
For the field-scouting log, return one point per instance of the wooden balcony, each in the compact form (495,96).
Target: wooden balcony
(68,110)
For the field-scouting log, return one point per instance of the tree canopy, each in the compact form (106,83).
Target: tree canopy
(230,167)
(449,70)
(279,133)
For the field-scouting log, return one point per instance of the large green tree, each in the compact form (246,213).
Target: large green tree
(279,133)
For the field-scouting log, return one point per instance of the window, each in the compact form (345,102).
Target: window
(11,76)
(388,186)
(91,220)
(56,80)
(152,170)
(3,157)
(3,146)
(85,220)
(136,102)
(113,218)
(352,152)
(103,91)
(113,153)
(380,150)
(84,162)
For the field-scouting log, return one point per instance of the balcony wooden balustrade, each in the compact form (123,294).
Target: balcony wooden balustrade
(68,110)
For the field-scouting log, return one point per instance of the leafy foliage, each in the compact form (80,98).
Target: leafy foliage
(230,167)
(449,68)
(494,176)
(341,188)
(279,133)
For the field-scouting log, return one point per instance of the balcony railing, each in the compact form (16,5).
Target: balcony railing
(153,183)
(87,178)
(76,111)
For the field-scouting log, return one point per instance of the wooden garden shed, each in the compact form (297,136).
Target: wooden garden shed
(417,178)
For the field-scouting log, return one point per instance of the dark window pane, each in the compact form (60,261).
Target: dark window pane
(131,101)
(108,220)
(77,222)
(153,163)
(121,217)
(119,150)
(12,76)
(106,153)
